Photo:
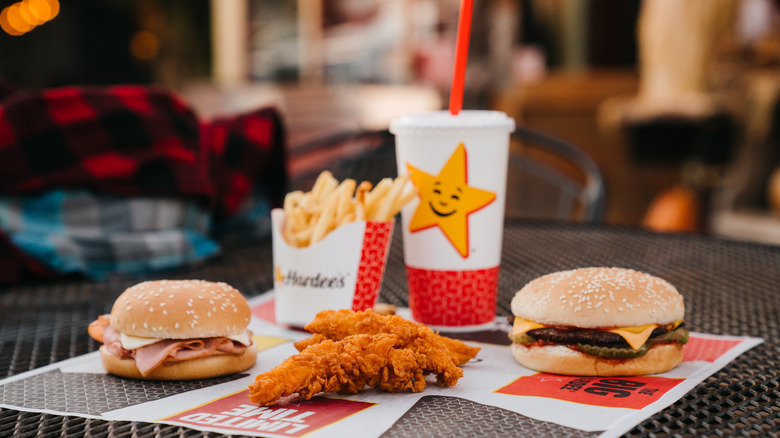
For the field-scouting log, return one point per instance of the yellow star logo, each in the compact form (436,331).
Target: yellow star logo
(446,200)
(278,275)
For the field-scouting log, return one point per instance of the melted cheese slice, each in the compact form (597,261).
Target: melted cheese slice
(522,325)
(636,336)
(132,342)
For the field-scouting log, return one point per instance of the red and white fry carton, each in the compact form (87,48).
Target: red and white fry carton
(342,271)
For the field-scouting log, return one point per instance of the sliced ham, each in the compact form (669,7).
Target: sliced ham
(164,352)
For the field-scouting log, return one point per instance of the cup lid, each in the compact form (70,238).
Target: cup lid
(441,120)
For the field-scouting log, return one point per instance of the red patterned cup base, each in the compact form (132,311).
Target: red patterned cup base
(453,298)
(376,242)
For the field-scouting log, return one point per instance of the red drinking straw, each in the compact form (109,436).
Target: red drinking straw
(461,55)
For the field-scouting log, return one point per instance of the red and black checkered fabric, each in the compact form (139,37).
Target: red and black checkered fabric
(133,141)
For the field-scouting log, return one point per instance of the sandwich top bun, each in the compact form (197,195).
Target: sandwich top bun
(180,309)
(599,297)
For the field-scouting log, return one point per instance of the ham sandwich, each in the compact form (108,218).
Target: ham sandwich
(163,352)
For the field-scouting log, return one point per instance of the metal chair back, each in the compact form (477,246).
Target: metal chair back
(543,190)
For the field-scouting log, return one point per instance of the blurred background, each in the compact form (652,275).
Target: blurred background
(675,101)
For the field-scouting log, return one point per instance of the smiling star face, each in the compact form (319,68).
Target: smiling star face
(446,200)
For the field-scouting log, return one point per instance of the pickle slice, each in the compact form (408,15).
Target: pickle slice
(613,352)
(679,335)
(521,339)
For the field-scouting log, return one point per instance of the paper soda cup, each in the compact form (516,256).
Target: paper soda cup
(453,230)
(342,271)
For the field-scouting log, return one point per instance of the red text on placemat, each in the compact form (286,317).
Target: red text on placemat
(236,413)
(707,349)
(613,392)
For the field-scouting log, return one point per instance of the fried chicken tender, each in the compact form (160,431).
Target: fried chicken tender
(338,324)
(349,350)
(344,366)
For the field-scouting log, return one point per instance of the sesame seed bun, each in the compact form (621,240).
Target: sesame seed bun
(559,359)
(180,309)
(599,297)
(200,368)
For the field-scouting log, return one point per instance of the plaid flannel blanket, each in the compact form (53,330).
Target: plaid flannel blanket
(127,180)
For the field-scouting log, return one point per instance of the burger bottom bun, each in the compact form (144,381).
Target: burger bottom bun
(559,359)
(200,368)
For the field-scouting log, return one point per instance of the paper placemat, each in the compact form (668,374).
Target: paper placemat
(495,397)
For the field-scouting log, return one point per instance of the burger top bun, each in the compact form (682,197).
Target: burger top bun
(180,309)
(599,297)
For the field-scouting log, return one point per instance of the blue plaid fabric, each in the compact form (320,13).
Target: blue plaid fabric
(98,235)
(126,180)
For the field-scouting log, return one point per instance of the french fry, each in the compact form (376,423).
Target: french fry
(310,216)
(382,212)
(375,195)
(402,200)
(360,211)
(303,237)
(323,187)
(347,218)
(362,190)
(323,223)
(319,184)
(344,198)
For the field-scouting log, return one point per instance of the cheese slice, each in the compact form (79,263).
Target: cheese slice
(132,342)
(522,325)
(636,336)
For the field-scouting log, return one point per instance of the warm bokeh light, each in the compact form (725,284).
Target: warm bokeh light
(145,45)
(40,9)
(22,17)
(16,20)
(6,25)
(54,7)
(28,16)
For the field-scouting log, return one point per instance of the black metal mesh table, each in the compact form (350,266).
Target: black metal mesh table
(729,288)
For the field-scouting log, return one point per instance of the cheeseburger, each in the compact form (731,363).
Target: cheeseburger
(598,322)
(176,330)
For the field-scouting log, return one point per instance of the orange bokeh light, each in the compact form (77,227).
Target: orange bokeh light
(40,9)
(16,19)
(6,25)
(21,17)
